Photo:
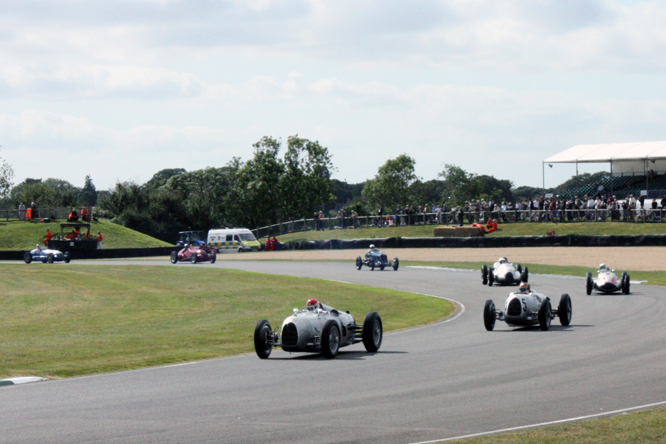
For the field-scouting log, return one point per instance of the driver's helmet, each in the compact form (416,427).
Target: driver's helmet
(372,246)
(603,267)
(312,304)
(502,260)
(38,247)
(524,288)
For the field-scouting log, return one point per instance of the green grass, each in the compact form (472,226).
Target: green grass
(23,235)
(515,229)
(63,321)
(643,427)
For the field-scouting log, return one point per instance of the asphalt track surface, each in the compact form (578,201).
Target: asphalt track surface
(445,380)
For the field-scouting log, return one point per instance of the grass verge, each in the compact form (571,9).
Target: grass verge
(76,320)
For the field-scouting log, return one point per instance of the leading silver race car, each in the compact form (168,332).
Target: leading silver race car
(524,308)
(504,272)
(318,328)
(607,281)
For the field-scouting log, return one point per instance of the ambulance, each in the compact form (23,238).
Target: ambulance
(232,240)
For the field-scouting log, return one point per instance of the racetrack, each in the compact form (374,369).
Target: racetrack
(445,380)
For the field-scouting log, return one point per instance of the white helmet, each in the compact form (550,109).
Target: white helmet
(372,246)
(602,267)
(502,260)
(37,246)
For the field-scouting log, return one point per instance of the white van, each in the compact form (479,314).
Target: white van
(232,240)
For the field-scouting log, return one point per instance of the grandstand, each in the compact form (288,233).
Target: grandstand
(635,168)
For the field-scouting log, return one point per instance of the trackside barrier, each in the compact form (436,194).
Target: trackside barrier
(101,254)
(469,217)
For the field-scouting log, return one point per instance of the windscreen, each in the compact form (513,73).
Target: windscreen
(248,237)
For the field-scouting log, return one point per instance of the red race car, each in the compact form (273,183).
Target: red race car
(194,254)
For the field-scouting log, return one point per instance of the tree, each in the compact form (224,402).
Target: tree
(459,185)
(88,194)
(390,187)
(6,177)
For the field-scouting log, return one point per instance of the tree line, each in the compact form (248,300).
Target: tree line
(277,184)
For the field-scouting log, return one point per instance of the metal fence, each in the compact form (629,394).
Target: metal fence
(42,213)
(470,217)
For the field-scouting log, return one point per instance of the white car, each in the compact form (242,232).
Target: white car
(504,272)
(607,281)
(525,308)
(318,328)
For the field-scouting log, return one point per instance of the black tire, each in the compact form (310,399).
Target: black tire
(396,264)
(525,275)
(545,315)
(263,344)
(491,277)
(330,339)
(372,265)
(193,258)
(625,283)
(589,284)
(381,266)
(564,310)
(66,257)
(213,258)
(519,268)
(484,274)
(489,315)
(359,262)
(174,257)
(27,257)
(373,332)
(50,258)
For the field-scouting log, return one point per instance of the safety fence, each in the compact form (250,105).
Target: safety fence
(467,217)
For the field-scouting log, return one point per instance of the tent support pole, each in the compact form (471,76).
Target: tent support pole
(543,175)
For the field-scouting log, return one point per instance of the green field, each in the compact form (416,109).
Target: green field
(23,235)
(63,321)
(516,229)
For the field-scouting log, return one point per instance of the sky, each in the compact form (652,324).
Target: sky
(121,89)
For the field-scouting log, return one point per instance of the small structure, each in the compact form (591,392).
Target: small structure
(83,242)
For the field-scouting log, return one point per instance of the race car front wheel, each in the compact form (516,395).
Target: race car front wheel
(50,258)
(359,262)
(263,344)
(484,274)
(27,257)
(564,310)
(174,257)
(396,264)
(489,315)
(66,257)
(589,284)
(330,339)
(545,315)
(625,282)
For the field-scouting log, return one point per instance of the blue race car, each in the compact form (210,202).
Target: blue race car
(375,258)
(46,255)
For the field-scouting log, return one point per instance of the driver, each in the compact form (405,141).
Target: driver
(39,248)
(312,304)
(602,268)
(525,288)
(502,260)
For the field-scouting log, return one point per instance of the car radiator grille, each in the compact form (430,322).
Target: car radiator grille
(289,334)
(514,308)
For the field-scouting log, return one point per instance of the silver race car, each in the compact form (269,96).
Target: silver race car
(318,328)
(524,308)
(504,272)
(607,281)
(375,258)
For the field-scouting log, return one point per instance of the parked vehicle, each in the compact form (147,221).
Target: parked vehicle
(232,240)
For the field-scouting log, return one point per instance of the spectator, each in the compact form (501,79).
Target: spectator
(73,216)
(100,238)
(21,211)
(48,237)
(84,215)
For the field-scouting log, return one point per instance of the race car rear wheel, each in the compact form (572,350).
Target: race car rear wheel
(174,257)
(396,263)
(491,277)
(589,284)
(545,312)
(66,257)
(519,268)
(381,266)
(564,310)
(50,258)
(489,315)
(213,258)
(27,257)
(525,275)
(373,332)
(484,274)
(330,339)
(263,343)
(625,283)
(359,262)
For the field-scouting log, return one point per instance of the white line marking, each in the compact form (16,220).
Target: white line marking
(543,424)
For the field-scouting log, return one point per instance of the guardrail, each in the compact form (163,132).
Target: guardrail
(469,217)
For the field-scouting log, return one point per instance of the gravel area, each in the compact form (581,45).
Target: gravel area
(619,258)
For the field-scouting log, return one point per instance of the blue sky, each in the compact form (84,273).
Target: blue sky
(122,89)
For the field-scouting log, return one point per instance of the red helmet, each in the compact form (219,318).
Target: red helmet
(312,304)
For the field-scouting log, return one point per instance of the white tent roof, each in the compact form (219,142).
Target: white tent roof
(610,152)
